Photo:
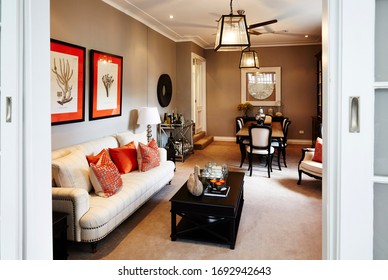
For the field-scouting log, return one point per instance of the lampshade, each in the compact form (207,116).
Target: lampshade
(232,32)
(148,115)
(249,59)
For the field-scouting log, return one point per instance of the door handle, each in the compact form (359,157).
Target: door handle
(8,109)
(354,114)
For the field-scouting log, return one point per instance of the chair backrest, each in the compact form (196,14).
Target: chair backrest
(284,122)
(267,119)
(285,128)
(260,136)
(239,124)
(242,122)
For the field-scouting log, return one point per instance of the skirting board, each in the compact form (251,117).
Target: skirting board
(290,141)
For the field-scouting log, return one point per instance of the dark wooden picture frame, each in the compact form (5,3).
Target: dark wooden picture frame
(67,76)
(106,71)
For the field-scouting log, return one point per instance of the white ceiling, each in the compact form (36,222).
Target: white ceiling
(196,20)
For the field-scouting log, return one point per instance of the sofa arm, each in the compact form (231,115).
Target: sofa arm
(74,202)
(162,154)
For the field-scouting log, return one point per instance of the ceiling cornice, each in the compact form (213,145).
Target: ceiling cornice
(131,10)
(134,12)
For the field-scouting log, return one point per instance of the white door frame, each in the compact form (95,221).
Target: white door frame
(203,90)
(347,204)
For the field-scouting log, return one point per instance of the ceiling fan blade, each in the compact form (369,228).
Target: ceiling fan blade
(253,32)
(262,23)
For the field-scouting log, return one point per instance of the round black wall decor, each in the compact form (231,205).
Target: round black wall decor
(164,90)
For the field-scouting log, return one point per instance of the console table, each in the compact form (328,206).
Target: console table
(181,135)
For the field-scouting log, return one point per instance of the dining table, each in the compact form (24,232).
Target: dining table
(277,130)
(243,134)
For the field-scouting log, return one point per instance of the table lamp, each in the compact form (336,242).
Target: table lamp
(148,116)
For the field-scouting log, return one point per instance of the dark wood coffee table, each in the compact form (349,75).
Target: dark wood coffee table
(207,218)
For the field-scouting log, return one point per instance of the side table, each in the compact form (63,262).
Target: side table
(60,236)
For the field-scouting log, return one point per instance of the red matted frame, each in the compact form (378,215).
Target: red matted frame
(106,72)
(67,75)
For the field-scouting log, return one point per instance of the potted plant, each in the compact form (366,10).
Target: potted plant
(245,107)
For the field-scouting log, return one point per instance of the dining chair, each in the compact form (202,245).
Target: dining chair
(280,144)
(242,141)
(260,145)
(242,121)
(268,119)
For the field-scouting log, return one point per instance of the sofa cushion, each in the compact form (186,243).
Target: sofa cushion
(137,188)
(311,166)
(124,138)
(72,171)
(105,177)
(125,158)
(149,155)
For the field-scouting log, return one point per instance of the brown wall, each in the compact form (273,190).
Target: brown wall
(299,87)
(147,54)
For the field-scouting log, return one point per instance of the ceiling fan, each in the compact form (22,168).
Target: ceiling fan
(256,25)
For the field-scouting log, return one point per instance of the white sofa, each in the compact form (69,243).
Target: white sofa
(92,217)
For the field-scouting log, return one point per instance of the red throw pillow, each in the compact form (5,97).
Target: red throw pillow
(105,177)
(125,158)
(94,159)
(318,150)
(149,155)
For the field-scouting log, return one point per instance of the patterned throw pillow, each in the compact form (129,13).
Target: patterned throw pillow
(318,150)
(149,155)
(105,177)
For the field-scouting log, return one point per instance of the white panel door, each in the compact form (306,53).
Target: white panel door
(198,89)
(10,165)
(356,129)
(25,183)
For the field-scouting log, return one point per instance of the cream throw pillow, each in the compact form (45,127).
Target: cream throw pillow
(72,171)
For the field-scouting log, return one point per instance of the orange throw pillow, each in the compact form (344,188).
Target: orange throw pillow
(94,159)
(318,150)
(125,158)
(150,155)
(130,145)
(105,177)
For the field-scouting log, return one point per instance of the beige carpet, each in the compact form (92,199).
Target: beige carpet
(280,220)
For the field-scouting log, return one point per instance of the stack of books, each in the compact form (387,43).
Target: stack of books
(223,192)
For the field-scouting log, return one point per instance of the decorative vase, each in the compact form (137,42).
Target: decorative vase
(194,185)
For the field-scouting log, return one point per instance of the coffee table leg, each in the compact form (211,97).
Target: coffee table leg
(173,226)
(232,233)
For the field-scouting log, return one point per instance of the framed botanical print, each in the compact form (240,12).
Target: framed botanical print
(67,82)
(261,87)
(106,72)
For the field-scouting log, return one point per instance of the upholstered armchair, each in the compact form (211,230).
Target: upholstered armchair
(311,162)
